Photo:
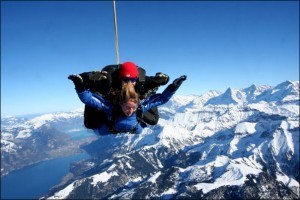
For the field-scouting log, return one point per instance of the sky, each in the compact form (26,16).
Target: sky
(217,44)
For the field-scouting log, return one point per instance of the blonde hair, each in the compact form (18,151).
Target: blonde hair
(128,93)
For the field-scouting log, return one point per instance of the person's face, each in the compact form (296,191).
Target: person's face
(129,80)
(129,108)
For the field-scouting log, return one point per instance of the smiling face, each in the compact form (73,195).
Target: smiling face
(129,107)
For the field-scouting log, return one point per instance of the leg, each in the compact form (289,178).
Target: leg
(94,118)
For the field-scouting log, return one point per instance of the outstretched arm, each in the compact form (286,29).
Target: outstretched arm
(95,101)
(165,96)
(87,97)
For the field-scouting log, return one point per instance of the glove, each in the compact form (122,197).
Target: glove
(176,83)
(161,78)
(78,82)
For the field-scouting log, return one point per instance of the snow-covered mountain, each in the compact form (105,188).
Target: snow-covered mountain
(25,141)
(240,144)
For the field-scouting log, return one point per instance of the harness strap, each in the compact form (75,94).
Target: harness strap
(112,120)
(115,131)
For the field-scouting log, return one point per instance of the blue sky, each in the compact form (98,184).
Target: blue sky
(217,44)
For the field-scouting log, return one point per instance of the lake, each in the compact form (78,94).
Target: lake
(34,181)
(80,133)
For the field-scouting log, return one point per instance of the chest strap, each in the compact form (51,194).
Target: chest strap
(115,131)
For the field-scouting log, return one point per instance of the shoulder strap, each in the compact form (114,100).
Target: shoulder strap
(112,119)
(139,113)
(142,75)
(141,82)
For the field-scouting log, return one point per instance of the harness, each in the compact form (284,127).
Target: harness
(113,118)
(115,131)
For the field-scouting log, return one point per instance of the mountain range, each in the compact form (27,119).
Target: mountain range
(242,144)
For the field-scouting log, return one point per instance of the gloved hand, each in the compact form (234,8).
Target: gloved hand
(161,78)
(78,82)
(176,83)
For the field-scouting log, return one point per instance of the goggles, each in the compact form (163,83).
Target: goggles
(126,80)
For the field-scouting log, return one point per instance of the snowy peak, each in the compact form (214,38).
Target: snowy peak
(201,100)
(283,92)
(33,123)
(230,96)
(47,118)
(286,91)
(287,84)
(253,91)
(16,129)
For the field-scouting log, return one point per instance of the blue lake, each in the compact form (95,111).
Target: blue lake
(34,181)
(77,134)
